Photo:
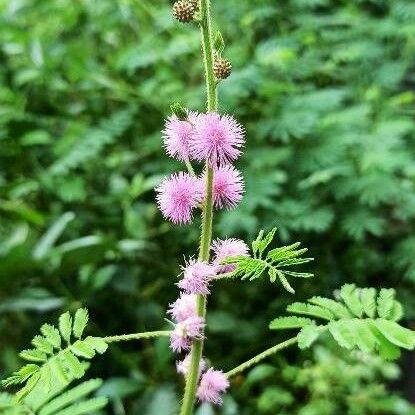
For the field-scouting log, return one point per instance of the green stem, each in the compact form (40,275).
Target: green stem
(189,167)
(261,356)
(136,336)
(207,215)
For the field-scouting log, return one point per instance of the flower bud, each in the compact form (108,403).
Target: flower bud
(184,10)
(222,68)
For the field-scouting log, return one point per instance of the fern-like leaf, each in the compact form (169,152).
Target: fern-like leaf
(67,399)
(361,320)
(59,363)
(274,262)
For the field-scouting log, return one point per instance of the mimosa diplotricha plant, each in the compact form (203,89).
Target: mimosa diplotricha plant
(207,143)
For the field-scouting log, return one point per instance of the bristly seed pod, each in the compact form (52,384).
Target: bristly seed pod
(184,10)
(195,4)
(222,68)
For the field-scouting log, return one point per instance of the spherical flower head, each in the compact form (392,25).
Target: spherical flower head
(186,331)
(184,307)
(183,366)
(178,195)
(228,187)
(226,248)
(177,134)
(211,386)
(217,139)
(196,277)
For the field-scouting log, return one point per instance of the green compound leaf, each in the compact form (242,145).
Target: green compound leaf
(361,320)
(43,385)
(292,322)
(65,326)
(386,300)
(67,399)
(351,297)
(310,310)
(80,322)
(273,263)
(52,335)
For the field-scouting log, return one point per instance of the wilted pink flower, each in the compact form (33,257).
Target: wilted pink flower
(212,384)
(184,307)
(196,277)
(177,135)
(186,331)
(178,195)
(217,139)
(226,248)
(183,366)
(228,187)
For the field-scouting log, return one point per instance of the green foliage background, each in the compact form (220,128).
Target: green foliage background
(325,89)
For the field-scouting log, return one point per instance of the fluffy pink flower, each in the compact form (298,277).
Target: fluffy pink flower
(196,277)
(226,248)
(212,385)
(178,195)
(177,135)
(183,366)
(217,139)
(184,307)
(186,331)
(228,187)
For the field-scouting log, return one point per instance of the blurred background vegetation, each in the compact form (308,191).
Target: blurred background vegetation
(326,90)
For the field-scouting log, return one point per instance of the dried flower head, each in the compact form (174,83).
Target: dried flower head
(178,195)
(217,139)
(226,248)
(196,277)
(212,385)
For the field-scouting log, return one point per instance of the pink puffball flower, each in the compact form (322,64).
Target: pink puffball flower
(184,307)
(186,331)
(178,195)
(228,187)
(226,248)
(211,386)
(217,139)
(177,135)
(196,277)
(183,366)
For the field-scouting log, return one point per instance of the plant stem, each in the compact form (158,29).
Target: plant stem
(261,356)
(207,215)
(136,336)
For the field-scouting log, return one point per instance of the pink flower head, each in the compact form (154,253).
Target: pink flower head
(228,187)
(177,135)
(196,277)
(183,366)
(217,139)
(178,195)
(226,248)
(186,331)
(184,307)
(212,384)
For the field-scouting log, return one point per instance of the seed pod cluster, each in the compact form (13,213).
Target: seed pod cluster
(184,10)
(222,68)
